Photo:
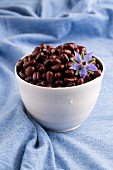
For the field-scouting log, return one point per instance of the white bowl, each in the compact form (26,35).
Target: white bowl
(60,109)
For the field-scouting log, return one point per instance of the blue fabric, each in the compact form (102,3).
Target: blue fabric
(24,144)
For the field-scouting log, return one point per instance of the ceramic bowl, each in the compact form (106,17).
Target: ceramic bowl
(60,109)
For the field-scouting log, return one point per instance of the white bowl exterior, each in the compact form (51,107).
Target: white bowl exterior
(60,108)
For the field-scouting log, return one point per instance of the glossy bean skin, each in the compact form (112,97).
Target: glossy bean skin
(49,66)
(29,71)
(49,77)
(57,67)
(36,76)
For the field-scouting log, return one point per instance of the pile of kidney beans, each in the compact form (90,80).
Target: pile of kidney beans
(49,67)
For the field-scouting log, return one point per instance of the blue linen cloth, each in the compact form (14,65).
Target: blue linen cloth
(24,144)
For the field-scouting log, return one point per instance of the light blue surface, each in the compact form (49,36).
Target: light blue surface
(25,145)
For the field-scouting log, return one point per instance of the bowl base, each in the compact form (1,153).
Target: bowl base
(65,130)
(29,114)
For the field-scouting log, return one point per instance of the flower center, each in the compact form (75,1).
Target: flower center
(84,63)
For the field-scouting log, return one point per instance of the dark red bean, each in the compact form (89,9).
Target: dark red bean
(29,63)
(42,46)
(76,80)
(49,77)
(82,49)
(44,76)
(28,79)
(20,63)
(39,65)
(41,83)
(68,80)
(35,53)
(37,48)
(58,49)
(68,52)
(36,76)
(40,57)
(49,85)
(22,74)
(29,71)
(64,58)
(47,62)
(80,81)
(58,83)
(51,51)
(71,84)
(77,50)
(69,64)
(55,61)
(57,76)
(69,73)
(42,69)
(87,78)
(53,56)
(57,67)
(97,73)
(27,58)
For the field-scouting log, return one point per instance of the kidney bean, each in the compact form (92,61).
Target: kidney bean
(66,51)
(41,83)
(82,49)
(37,48)
(55,61)
(58,49)
(42,46)
(97,73)
(53,56)
(40,57)
(57,75)
(49,85)
(51,51)
(35,53)
(68,80)
(76,80)
(28,79)
(80,81)
(69,73)
(58,83)
(20,63)
(58,67)
(42,69)
(49,77)
(22,74)
(71,84)
(64,58)
(72,56)
(29,63)
(77,50)
(69,64)
(25,59)
(47,62)
(43,76)
(38,65)
(36,76)
(87,78)
(29,71)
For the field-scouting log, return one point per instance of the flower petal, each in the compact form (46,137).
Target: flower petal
(91,67)
(75,66)
(83,72)
(88,57)
(78,57)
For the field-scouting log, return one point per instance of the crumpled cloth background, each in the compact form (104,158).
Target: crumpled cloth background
(24,144)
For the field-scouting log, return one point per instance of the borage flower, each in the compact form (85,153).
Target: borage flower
(83,63)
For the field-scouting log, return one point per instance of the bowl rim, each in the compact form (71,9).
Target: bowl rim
(60,88)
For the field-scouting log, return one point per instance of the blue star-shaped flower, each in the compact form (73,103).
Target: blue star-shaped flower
(83,63)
